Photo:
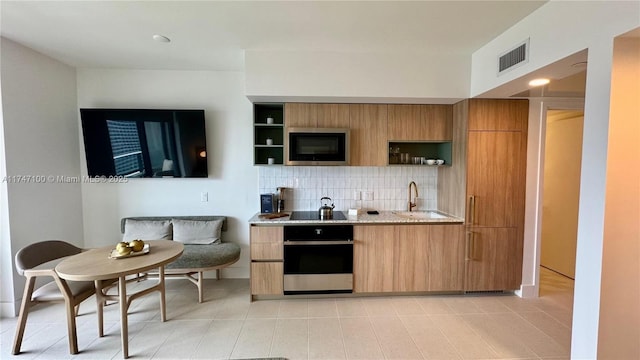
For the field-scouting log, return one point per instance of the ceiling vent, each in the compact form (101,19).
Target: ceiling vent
(514,57)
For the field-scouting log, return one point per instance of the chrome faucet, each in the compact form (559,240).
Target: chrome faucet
(413,204)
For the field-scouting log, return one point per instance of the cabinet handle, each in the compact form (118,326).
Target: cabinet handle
(472,209)
(469,247)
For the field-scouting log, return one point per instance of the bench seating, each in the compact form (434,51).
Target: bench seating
(196,258)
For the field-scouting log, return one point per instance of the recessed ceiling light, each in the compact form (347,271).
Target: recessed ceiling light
(161,38)
(538,82)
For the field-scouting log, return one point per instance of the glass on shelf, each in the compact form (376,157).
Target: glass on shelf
(394,155)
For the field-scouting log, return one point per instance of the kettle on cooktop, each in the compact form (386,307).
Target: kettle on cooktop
(326,210)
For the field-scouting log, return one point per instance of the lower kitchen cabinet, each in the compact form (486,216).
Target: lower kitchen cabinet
(267,278)
(373,258)
(266,243)
(410,263)
(445,258)
(493,259)
(406,258)
(267,267)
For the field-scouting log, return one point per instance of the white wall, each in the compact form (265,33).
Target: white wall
(410,77)
(232,179)
(619,335)
(7,306)
(557,30)
(40,139)
(561,190)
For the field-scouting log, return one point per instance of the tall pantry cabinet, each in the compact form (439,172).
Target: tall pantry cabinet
(495,193)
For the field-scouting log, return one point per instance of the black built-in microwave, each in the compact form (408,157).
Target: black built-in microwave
(317,146)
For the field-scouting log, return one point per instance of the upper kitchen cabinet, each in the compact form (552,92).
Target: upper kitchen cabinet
(420,123)
(317,115)
(501,115)
(368,134)
(332,116)
(268,134)
(300,115)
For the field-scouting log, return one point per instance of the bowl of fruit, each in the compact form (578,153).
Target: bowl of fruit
(128,249)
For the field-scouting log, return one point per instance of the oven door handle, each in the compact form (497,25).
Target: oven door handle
(319,242)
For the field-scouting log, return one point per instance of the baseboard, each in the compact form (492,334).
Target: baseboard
(527,291)
(235,273)
(9,309)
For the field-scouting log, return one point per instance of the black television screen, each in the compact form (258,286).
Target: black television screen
(138,143)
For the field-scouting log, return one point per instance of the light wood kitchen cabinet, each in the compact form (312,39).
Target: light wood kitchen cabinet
(405,258)
(410,253)
(492,114)
(267,242)
(420,123)
(267,254)
(267,278)
(332,116)
(493,259)
(495,178)
(495,190)
(368,134)
(300,115)
(445,258)
(316,115)
(373,258)
(404,122)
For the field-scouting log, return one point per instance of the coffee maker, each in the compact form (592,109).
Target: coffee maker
(281,198)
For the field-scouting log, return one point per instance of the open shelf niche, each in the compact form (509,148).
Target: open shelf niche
(263,130)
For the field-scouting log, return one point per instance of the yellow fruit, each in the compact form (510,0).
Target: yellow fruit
(137,245)
(123,248)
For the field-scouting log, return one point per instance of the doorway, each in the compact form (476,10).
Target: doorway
(561,193)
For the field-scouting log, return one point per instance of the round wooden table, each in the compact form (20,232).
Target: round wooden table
(96,265)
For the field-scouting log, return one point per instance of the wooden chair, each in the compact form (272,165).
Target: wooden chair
(40,260)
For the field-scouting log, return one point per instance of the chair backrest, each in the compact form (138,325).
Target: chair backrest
(33,255)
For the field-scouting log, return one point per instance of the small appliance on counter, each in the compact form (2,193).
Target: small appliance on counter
(281,198)
(267,203)
(326,212)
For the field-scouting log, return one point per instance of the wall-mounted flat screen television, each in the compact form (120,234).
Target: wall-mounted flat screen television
(140,143)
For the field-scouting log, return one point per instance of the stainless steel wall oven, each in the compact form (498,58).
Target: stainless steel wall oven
(318,259)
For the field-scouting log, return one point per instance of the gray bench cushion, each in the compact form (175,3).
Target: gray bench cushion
(206,256)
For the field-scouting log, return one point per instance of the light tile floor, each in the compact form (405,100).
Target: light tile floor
(228,325)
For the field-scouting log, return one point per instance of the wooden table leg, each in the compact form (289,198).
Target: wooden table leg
(124,326)
(99,307)
(163,305)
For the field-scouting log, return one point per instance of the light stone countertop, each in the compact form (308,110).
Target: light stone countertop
(385,217)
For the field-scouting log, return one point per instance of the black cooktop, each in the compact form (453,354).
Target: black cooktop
(315,215)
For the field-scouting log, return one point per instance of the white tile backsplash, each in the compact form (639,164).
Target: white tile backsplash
(389,185)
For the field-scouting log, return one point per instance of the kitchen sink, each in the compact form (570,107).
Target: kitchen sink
(421,214)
